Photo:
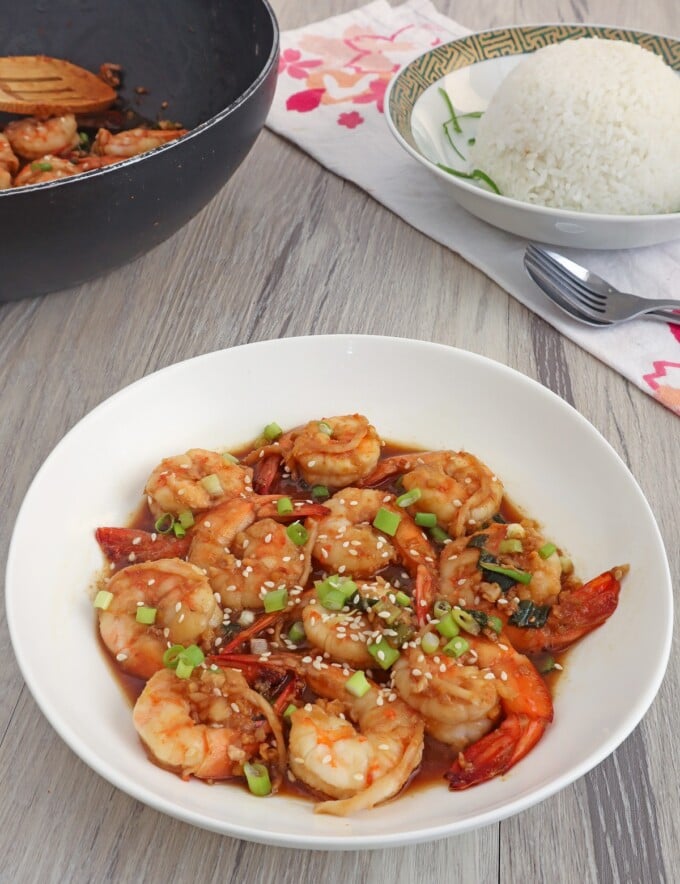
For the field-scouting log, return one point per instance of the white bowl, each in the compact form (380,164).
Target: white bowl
(470,70)
(553,462)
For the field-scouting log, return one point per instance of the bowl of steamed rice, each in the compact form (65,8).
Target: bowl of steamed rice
(563,134)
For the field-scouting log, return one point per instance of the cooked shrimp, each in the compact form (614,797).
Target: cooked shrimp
(208,725)
(344,636)
(334,451)
(32,138)
(196,481)
(576,613)
(246,552)
(465,581)
(462,701)
(132,141)
(348,543)
(358,751)
(186,613)
(47,168)
(9,163)
(458,488)
(135,545)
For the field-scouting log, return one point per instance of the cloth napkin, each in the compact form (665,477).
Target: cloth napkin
(329,101)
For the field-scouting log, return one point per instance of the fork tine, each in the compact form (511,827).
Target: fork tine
(552,290)
(573,272)
(571,289)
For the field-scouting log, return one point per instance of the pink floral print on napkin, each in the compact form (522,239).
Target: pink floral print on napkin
(664,382)
(353,68)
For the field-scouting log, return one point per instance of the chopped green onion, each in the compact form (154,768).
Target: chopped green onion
(471,141)
(276,600)
(441,608)
(164,523)
(183,660)
(511,545)
(212,485)
(456,647)
(171,656)
(320,492)
(466,621)
(183,668)
(146,615)
(193,654)
(288,711)
(179,530)
(257,777)
(103,599)
(297,633)
(186,519)
(514,573)
(284,506)
(357,684)
(387,521)
(334,600)
(429,643)
(409,497)
(495,623)
(229,458)
(297,532)
(475,174)
(454,119)
(438,534)
(84,139)
(383,653)
(426,520)
(403,599)
(547,550)
(41,167)
(325,428)
(272,432)
(334,591)
(447,626)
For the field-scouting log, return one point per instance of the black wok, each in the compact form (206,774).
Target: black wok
(213,61)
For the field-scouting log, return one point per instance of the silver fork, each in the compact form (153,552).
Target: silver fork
(586,296)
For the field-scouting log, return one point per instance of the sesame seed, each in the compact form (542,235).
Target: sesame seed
(235,707)
(489,676)
(358,777)
(327,759)
(383,746)
(132,557)
(121,656)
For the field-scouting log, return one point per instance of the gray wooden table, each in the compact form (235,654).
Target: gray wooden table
(242,271)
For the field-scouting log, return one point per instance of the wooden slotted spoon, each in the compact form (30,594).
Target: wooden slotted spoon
(42,86)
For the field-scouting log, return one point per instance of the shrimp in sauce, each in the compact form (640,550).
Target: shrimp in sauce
(185,612)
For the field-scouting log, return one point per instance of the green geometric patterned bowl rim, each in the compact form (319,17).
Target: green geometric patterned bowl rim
(410,82)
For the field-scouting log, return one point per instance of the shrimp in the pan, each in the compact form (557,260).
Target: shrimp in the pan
(334,452)
(9,163)
(208,725)
(196,481)
(246,551)
(349,543)
(47,168)
(457,487)
(132,142)
(357,750)
(178,608)
(489,703)
(33,138)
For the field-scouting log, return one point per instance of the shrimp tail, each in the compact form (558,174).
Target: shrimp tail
(583,611)
(497,752)
(265,472)
(140,546)
(423,594)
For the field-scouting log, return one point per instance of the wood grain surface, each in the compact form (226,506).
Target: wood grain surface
(287,248)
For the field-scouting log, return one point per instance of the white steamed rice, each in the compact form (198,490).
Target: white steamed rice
(588,125)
